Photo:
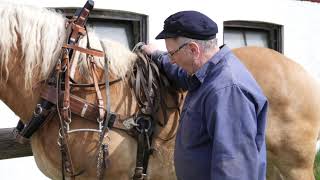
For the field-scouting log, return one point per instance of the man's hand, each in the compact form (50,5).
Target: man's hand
(149,48)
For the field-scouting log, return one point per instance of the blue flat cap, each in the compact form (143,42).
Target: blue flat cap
(191,24)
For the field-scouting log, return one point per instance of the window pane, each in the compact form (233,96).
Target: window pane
(257,38)
(233,38)
(119,32)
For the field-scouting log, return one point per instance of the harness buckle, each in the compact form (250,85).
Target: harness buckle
(84,109)
(38,110)
(129,123)
(138,174)
(143,124)
(100,124)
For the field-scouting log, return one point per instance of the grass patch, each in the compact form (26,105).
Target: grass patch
(317,166)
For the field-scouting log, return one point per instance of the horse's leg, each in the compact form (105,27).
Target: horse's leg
(292,147)
(161,161)
(273,172)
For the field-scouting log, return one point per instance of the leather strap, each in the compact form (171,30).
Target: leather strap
(43,112)
(19,138)
(84,85)
(77,105)
(66,97)
(102,110)
(92,52)
(81,21)
(84,109)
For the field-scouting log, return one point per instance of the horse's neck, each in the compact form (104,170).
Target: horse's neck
(14,93)
(29,42)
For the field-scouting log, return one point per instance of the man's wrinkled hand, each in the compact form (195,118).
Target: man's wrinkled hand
(149,48)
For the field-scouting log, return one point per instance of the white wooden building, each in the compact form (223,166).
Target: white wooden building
(288,26)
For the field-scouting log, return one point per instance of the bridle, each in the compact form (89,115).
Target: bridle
(56,98)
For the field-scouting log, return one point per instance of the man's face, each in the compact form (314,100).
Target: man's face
(179,53)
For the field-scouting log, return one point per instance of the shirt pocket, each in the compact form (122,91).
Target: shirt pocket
(192,128)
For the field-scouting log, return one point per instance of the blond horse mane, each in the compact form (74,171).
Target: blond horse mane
(39,34)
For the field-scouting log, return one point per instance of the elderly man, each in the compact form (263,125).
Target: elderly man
(221,135)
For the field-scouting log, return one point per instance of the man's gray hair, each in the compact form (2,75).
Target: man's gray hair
(204,44)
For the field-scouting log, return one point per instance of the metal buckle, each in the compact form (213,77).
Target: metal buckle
(138,173)
(129,123)
(38,110)
(84,109)
(143,119)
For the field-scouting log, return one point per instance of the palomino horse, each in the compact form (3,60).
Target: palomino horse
(30,45)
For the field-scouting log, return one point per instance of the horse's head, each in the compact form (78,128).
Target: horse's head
(30,48)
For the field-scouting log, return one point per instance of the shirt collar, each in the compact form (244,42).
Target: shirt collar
(224,49)
(198,77)
(201,73)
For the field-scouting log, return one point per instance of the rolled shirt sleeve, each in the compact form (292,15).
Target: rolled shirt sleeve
(232,124)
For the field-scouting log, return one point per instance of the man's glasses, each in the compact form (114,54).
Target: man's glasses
(171,53)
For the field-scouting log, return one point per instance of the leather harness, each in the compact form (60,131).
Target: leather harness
(56,98)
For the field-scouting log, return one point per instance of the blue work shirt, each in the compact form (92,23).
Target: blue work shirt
(221,135)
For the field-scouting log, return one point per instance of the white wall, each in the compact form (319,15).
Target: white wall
(301,22)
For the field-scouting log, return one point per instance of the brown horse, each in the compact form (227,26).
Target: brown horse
(30,44)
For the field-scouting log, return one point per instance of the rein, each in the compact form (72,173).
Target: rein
(146,81)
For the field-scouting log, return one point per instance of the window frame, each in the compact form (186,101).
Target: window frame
(274,31)
(139,22)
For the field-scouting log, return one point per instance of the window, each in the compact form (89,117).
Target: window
(245,33)
(125,27)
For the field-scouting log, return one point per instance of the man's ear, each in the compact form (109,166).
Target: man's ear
(195,49)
